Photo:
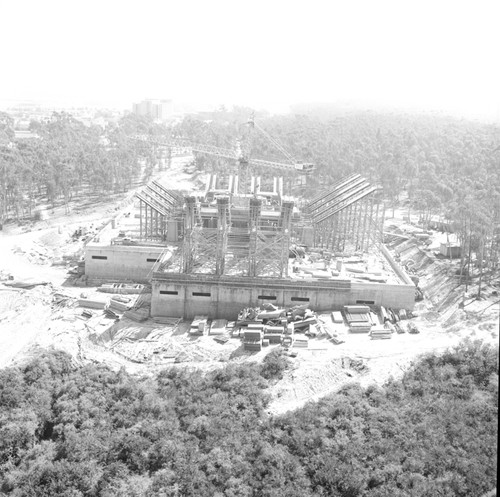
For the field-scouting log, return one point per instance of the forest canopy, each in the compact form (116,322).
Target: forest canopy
(69,430)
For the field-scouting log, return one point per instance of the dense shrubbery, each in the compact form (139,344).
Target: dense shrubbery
(88,431)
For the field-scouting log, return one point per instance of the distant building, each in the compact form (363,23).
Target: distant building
(450,249)
(159,110)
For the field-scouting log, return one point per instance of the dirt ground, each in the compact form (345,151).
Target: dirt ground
(48,315)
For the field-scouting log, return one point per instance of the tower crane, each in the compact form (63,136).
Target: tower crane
(301,167)
(239,154)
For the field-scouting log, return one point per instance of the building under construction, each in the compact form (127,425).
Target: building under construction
(228,247)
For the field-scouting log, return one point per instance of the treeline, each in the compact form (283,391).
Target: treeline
(66,158)
(88,431)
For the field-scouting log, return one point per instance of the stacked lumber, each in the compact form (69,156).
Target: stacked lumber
(122,288)
(87,314)
(336,340)
(302,325)
(255,326)
(252,340)
(199,326)
(61,300)
(399,328)
(271,313)
(337,317)
(318,273)
(273,334)
(384,313)
(138,315)
(117,303)
(358,318)
(109,313)
(218,327)
(314,330)
(391,315)
(248,315)
(167,320)
(360,327)
(300,341)
(93,303)
(380,333)
(391,327)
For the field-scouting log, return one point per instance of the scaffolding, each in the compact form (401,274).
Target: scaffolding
(156,206)
(347,217)
(226,233)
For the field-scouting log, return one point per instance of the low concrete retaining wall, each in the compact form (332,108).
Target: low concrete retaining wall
(184,295)
(120,262)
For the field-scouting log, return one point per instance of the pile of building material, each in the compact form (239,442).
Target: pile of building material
(337,317)
(61,300)
(199,326)
(358,318)
(138,315)
(109,313)
(300,341)
(393,316)
(93,303)
(302,325)
(380,333)
(120,303)
(271,312)
(328,330)
(274,333)
(399,328)
(274,325)
(219,331)
(252,338)
(167,320)
(218,327)
(412,328)
(248,315)
(121,288)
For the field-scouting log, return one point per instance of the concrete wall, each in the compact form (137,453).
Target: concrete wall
(120,262)
(186,296)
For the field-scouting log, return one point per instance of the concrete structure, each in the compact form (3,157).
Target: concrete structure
(120,262)
(450,249)
(188,295)
(221,250)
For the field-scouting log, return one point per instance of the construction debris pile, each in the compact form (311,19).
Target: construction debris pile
(290,327)
(295,326)
(123,304)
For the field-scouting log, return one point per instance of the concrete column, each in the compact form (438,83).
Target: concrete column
(222,228)
(253,226)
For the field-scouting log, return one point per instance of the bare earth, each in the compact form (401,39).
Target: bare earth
(47,315)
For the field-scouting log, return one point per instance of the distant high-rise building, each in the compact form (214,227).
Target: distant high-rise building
(159,110)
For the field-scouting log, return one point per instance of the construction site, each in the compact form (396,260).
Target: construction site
(244,239)
(197,268)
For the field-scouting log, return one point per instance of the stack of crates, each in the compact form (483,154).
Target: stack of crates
(252,339)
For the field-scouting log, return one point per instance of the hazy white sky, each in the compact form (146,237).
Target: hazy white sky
(436,54)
